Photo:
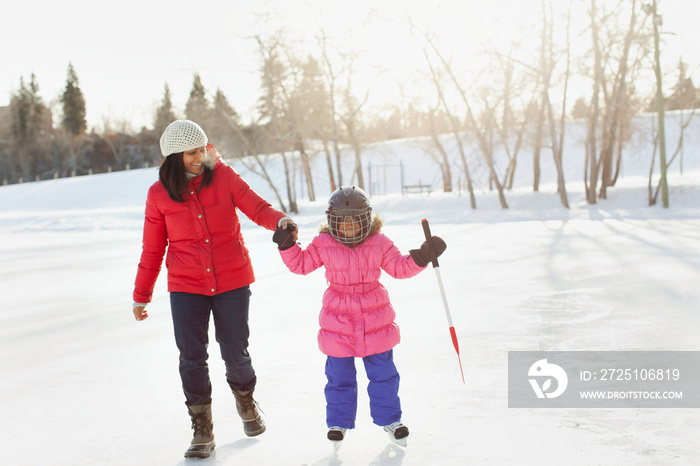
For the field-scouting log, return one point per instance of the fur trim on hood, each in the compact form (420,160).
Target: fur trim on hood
(377,224)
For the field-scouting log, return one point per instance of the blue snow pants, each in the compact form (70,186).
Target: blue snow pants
(383,390)
(191,314)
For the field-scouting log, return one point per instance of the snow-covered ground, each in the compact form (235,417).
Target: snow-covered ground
(83,383)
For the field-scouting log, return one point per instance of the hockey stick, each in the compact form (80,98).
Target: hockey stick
(436,267)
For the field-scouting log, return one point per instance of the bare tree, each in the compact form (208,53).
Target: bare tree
(259,167)
(539,133)
(314,116)
(615,107)
(443,160)
(612,67)
(653,193)
(332,75)
(508,123)
(455,128)
(115,136)
(272,108)
(660,105)
(352,121)
(547,65)
(590,177)
(294,108)
(484,143)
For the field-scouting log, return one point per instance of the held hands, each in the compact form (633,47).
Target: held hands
(286,234)
(429,251)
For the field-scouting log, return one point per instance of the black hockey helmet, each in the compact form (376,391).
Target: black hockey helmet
(349,202)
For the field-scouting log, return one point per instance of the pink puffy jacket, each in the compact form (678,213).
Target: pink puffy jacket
(357,318)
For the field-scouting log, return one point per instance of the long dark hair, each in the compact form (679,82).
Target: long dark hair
(173,177)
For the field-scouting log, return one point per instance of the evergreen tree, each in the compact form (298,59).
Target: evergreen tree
(223,109)
(311,102)
(19,109)
(164,114)
(28,112)
(580,109)
(73,105)
(222,123)
(197,108)
(684,93)
(30,127)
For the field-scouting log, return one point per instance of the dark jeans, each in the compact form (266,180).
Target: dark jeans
(191,313)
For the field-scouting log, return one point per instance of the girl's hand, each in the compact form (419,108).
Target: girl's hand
(288,224)
(285,236)
(140,313)
(429,251)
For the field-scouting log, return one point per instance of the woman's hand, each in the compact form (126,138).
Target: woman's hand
(140,313)
(286,235)
(288,224)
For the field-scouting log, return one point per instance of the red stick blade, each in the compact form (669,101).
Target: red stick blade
(454,339)
(453,334)
(460,368)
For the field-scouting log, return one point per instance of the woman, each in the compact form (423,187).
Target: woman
(191,212)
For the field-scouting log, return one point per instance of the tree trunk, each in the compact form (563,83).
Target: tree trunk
(592,165)
(455,131)
(445,164)
(329,164)
(483,144)
(290,186)
(306,167)
(611,131)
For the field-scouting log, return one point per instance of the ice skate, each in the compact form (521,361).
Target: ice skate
(397,433)
(336,435)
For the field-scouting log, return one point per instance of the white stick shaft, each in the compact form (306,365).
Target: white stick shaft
(444,297)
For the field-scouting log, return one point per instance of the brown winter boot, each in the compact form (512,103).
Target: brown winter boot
(248,410)
(203,440)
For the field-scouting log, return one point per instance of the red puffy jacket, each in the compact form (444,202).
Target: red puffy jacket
(206,251)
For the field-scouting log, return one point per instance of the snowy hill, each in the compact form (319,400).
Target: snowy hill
(84,384)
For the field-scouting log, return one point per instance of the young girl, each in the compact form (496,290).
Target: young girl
(357,319)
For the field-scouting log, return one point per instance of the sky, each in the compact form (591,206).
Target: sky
(125,53)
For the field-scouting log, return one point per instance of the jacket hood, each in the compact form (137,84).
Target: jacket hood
(213,159)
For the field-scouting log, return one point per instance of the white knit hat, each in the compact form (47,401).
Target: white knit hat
(181,136)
